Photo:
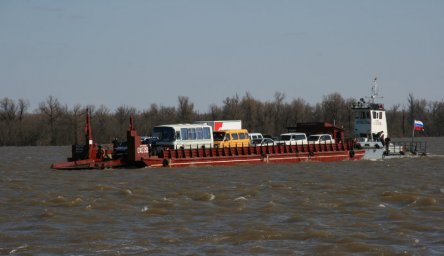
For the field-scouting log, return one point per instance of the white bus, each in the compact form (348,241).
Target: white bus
(186,136)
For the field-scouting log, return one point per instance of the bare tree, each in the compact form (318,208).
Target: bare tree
(437,117)
(268,119)
(103,127)
(52,109)
(231,108)
(298,111)
(122,116)
(54,124)
(318,113)
(74,116)
(167,115)
(348,117)
(23,106)
(394,121)
(149,119)
(216,112)
(250,113)
(279,121)
(332,107)
(185,110)
(8,110)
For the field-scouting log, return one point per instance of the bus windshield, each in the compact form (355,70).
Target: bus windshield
(165,134)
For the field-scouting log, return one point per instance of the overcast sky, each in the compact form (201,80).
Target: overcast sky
(136,53)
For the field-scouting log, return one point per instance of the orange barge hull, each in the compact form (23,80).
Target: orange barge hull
(254,155)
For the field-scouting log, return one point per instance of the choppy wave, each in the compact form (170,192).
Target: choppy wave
(388,207)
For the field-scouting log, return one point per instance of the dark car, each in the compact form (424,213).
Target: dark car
(120,149)
(150,141)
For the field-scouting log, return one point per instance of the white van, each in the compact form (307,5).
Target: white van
(255,136)
(292,138)
(321,139)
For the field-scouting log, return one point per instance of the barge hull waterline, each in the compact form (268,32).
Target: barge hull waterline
(256,159)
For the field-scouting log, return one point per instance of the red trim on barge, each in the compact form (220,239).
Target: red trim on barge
(93,156)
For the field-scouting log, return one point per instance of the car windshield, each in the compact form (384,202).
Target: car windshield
(300,137)
(285,137)
(218,136)
(313,138)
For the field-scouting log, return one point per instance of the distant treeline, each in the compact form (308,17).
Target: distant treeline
(53,123)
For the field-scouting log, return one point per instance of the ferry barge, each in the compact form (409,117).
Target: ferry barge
(94,156)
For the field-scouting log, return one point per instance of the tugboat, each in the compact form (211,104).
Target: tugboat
(371,131)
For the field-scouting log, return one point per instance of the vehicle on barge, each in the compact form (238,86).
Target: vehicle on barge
(94,156)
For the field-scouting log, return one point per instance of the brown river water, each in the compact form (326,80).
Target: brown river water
(385,207)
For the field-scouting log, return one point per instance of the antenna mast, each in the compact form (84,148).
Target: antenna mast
(375,91)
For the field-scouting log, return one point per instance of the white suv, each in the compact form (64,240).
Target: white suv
(292,138)
(255,136)
(320,139)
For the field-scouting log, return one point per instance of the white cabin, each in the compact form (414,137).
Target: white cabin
(370,119)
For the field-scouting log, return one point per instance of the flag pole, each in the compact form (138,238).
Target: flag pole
(413,135)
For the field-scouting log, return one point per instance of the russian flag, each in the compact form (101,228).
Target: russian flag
(418,125)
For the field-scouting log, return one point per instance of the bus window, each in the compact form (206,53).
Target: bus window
(241,136)
(184,133)
(191,133)
(199,134)
(206,133)
(227,136)
(177,135)
(235,136)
